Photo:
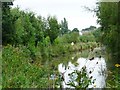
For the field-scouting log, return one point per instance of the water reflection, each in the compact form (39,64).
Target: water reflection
(95,68)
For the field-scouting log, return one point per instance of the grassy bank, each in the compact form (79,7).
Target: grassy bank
(23,70)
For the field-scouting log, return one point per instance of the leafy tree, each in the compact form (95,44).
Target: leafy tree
(53,28)
(19,31)
(39,27)
(71,37)
(75,30)
(7,25)
(91,28)
(97,34)
(88,37)
(64,27)
(108,17)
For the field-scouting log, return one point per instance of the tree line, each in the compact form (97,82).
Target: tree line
(24,27)
(108,14)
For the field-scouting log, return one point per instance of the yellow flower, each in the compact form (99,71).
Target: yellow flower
(117,65)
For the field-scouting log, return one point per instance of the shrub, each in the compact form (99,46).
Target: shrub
(18,72)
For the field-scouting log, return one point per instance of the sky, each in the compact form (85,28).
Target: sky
(73,10)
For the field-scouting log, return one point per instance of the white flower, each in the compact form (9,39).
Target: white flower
(72,43)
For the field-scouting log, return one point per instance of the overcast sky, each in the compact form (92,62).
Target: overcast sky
(72,10)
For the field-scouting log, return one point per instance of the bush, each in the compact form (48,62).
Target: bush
(113,80)
(68,38)
(19,73)
(87,37)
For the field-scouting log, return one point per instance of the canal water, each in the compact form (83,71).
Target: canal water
(94,63)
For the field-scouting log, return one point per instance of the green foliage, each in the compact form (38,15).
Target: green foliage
(18,72)
(64,27)
(53,28)
(108,17)
(97,34)
(91,28)
(82,79)
(25,29)
(108,14)
(7,25)
(89,37)
(30,42)
(45,48)
(0,69)
(75,30)
(113,80)
(78,80)
(69,38)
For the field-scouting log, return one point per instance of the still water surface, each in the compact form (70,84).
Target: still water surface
(95,68)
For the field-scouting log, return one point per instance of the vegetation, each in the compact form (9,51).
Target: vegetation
(82,79)
(109,18)
(31,43)
(18,72)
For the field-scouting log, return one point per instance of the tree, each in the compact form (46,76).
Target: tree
(75,30)
(97,34)
(64,27)
(7,25)
(91,28)
(108,17)
(53,28)
(39,27)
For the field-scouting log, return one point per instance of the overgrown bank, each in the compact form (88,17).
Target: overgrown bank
(23,70)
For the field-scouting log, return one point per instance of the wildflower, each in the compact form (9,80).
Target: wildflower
(94,85)
(72,43)
(72,58)
(117,65)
